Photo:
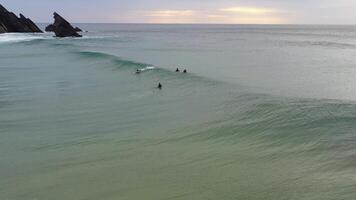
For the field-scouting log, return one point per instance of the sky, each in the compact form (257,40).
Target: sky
(190,11)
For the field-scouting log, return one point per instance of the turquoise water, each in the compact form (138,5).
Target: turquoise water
(265,112)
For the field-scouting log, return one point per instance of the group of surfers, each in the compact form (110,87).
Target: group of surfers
(159,84)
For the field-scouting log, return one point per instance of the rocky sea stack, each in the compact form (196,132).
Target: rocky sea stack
(10,23)
(62,28)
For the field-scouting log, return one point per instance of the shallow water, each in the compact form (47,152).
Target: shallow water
(265,112)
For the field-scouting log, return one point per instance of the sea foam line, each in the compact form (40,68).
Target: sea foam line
(21,37)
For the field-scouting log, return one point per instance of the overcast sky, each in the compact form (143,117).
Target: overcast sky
(190,11)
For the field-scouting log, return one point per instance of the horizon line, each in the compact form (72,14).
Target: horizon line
(148,23)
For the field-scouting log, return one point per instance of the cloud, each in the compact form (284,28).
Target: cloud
(249,10)
(231,15)
(171,13)
(191,11)
(224,19)
(251,15)
(170,16)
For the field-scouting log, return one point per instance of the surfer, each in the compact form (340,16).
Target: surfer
(159,86)
(138,71)
(177,70)
(185,71)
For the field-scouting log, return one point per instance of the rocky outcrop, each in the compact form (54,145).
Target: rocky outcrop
(62,28)
(30,24)
(2,28)
(78,29)
(50,28)
(10,23)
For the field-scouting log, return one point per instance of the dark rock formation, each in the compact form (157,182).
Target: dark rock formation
(62,28)
(2,28)
(50,28)
(78,29)
(10,23)
(30,24)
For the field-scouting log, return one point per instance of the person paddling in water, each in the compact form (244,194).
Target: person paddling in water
(177,70)
(185,71)
(159,86)
(138,71)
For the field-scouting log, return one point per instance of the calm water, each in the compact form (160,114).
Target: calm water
(265,112)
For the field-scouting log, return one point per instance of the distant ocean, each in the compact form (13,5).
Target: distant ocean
(264,113)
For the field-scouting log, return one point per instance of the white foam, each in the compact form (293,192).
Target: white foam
(21,37)
(91,37)
(147,68)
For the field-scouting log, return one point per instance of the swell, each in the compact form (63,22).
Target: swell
(321,44)
(99,56)
(274,120)
(318,135)
(294,125)
(130,66)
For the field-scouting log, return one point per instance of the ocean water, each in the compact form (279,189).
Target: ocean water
(265,112)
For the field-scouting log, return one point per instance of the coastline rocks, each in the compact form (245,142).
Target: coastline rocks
(2,28)
(78,29)
(10,23)
(62,28)
(50,28)
(30,24)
